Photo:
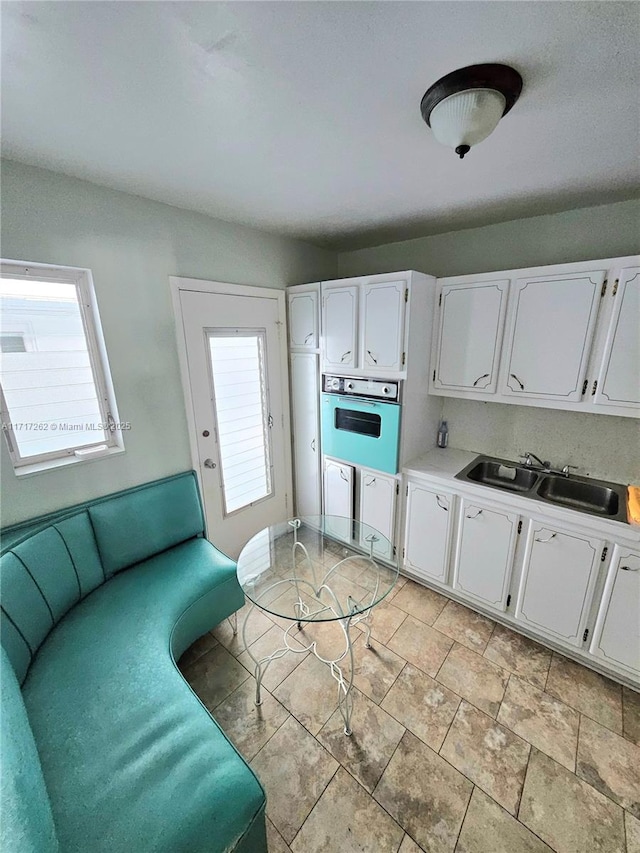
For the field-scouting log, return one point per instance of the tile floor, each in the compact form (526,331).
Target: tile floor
(467,738)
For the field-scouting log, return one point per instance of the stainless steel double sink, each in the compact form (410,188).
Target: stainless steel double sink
(583,494)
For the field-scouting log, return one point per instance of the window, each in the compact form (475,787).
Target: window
(57,401)
(242,415)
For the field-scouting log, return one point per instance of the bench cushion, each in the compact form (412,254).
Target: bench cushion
(139,523)
(131,759)
(26,823)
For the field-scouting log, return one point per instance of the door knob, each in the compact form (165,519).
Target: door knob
(209,463)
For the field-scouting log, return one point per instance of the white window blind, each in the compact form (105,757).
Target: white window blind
(54,397)
(242,415)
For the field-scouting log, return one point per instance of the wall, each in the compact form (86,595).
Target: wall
(132,246)
(603,446)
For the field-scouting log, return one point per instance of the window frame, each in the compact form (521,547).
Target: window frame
(261,335)
(82,279)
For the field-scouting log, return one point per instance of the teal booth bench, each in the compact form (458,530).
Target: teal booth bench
(104,746)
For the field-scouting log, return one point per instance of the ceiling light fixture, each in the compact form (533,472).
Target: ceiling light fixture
(464,107)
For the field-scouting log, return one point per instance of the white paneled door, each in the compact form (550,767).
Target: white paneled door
(234,370)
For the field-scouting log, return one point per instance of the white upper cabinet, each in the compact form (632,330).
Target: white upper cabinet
(378,511)
(558,580)
(303,318)
(429,521)
(547,346)
(618,382)
(565,336)
(469,335)
(616,637)
(484,553)
(339,327)
(365,324)
(382,323)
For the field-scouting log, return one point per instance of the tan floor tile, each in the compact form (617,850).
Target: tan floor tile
(294,770)
(256,625)
(399,584)
(519,655)
(423,705)
(488,828)
(421,645)
(366,753)
(409,846)
(375,669)
(278,669)
(310,693)
(586,691)
(385,621)
(215,675)
(470,629)
(247,725)
(632,828)
(275,842)
(201,646)
(329,638)
(347,820)
(488,754)
(611,764)
(425,794)
(474,678)
(631,715)
(571,816)
(544,721)
(419,601)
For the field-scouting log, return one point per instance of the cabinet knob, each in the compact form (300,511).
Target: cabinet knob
(629,568)
(480,378)
(348,352)
(442,506)
(474,516)
(310,335)
(513,376)
(372,357)
(548,539)
(209,463)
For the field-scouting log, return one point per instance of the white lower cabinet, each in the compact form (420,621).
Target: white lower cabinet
(428,526)
(484,552)
(558,578)
(616,637)
(378,510)
(338,480)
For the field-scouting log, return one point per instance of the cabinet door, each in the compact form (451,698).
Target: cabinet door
(378,510)
(616,637)
(306,432)
(470,329)
(339,326)
(303,319)
(383,309)
(552,320)
(428,532)
(619,377)
(557,581)
(484,553)
(338,498)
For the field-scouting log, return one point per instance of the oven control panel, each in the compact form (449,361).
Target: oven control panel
(356,386)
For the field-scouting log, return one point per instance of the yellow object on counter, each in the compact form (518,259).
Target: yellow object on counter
(633,505)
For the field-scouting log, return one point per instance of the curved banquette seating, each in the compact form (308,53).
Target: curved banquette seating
(105,747)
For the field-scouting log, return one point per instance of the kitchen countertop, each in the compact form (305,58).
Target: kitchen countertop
(443,464)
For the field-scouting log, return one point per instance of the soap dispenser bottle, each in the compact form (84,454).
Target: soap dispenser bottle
(443,434)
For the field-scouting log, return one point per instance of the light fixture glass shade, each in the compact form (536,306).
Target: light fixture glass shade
(466,118)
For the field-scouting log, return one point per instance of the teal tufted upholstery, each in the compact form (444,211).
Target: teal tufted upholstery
(130,758)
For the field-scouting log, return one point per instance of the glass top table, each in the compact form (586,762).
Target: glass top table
(317,569)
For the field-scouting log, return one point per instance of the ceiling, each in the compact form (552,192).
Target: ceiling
(303,117)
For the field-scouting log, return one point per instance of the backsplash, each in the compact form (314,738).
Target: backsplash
(600,446)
